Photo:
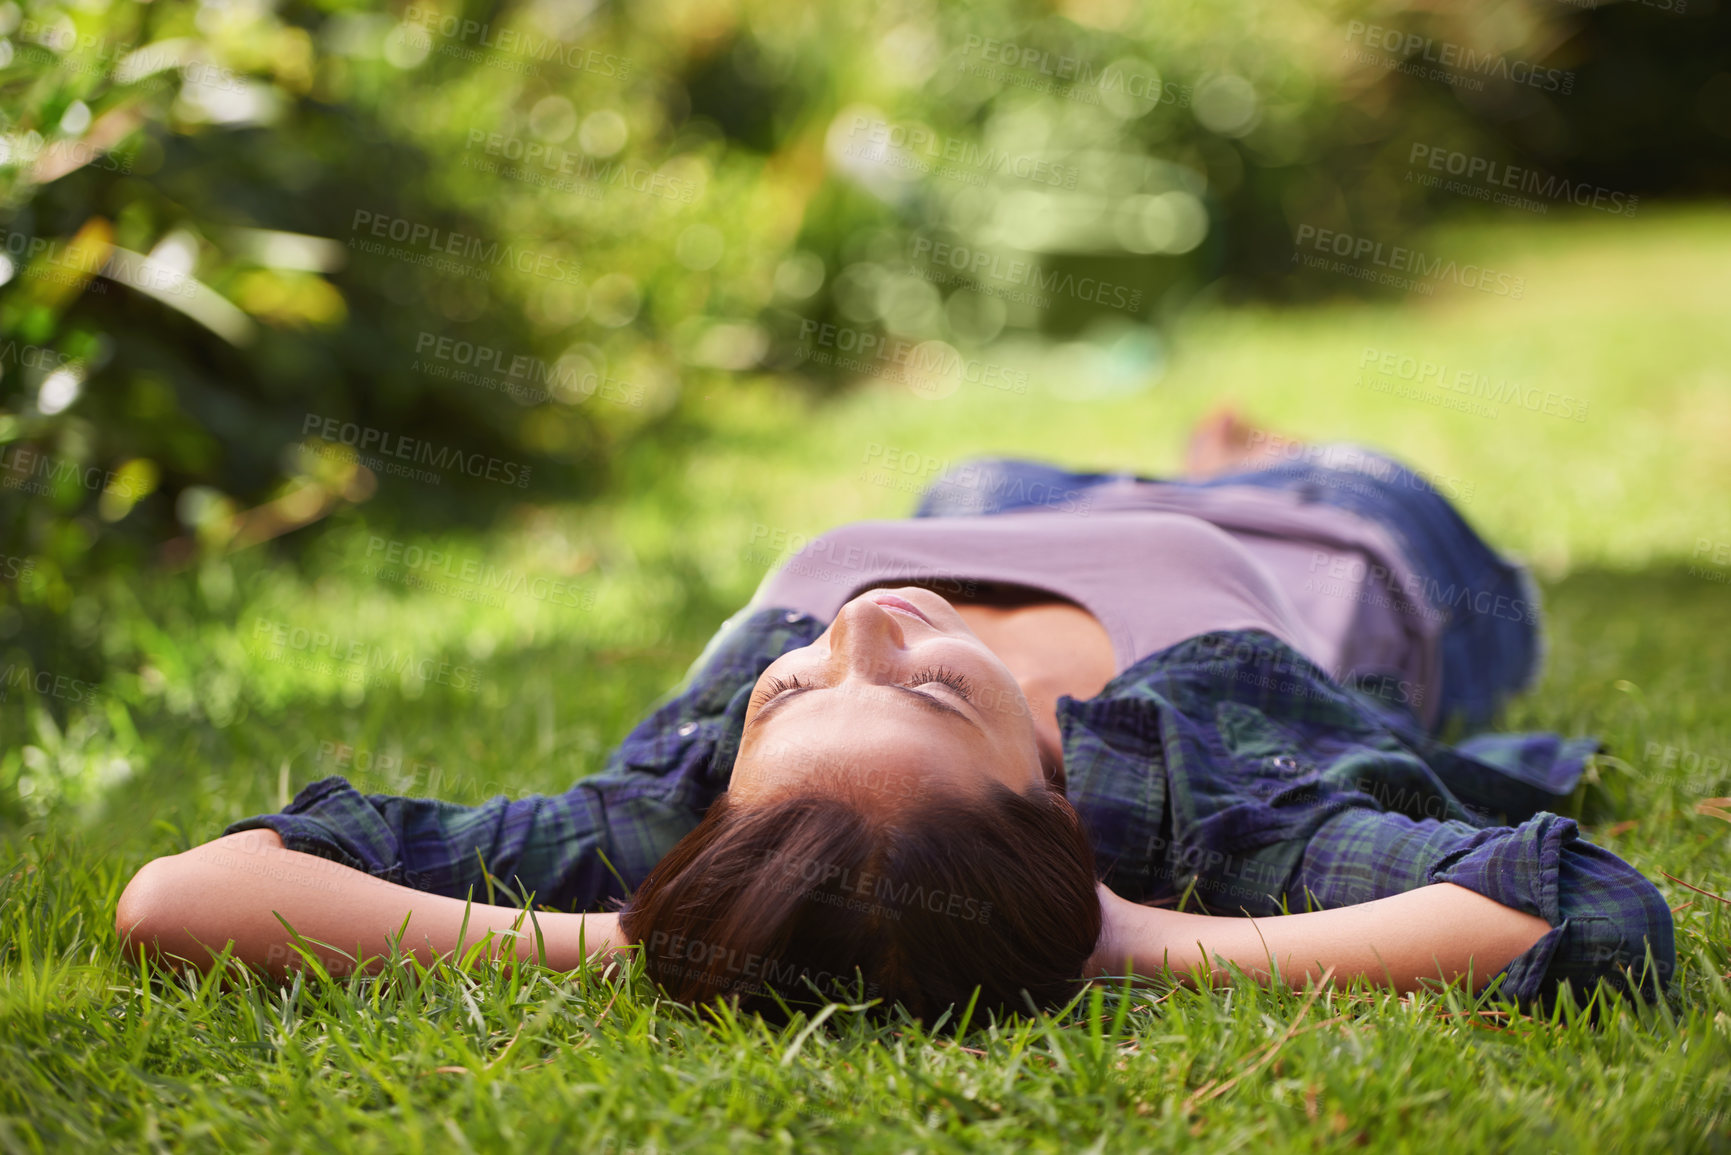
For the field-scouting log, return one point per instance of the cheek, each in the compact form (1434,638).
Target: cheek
(995,687)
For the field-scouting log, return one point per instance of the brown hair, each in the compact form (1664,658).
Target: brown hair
(812,898)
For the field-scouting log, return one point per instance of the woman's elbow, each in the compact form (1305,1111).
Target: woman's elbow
(185,907)
(145,908)
(166,909)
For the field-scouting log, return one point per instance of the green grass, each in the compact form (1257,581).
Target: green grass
(200,725)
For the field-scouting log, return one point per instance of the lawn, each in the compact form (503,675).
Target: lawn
(1618,498)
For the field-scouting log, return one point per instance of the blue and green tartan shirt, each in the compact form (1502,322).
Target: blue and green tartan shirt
(1227,771)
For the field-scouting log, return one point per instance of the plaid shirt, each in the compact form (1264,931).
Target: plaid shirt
(1227,770)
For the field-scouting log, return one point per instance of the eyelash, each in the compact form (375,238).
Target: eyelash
(949,677)
(776,687)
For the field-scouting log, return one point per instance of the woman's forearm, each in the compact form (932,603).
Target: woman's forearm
(232,890)
(1436,932)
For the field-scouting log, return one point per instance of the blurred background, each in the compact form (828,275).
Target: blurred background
(513,343)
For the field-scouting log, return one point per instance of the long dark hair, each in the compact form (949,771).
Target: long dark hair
(814,898)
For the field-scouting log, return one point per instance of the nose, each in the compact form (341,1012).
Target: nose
(864,640)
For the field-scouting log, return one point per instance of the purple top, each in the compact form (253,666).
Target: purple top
(1152,578)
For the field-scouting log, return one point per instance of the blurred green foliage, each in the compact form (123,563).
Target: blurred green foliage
(493,244)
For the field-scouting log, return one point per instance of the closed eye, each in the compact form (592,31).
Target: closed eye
(778,686)
(947,676)
(775,688)
(778,692)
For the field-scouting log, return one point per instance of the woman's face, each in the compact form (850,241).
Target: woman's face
(898,700)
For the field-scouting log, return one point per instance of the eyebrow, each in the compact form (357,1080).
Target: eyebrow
(926,701)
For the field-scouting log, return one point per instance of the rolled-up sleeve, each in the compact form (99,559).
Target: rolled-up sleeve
(1609,922)
(331,819)
(560,849)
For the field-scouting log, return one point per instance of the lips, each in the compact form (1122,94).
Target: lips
(901,605)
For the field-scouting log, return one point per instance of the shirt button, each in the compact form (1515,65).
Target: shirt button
(688,729)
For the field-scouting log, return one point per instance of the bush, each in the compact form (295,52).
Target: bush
(259,263)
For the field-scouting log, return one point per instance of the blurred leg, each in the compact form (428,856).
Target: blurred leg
(989,485)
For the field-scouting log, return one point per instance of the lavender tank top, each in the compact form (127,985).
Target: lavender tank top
(1152,579)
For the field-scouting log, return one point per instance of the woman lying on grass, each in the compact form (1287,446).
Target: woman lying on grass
(994,745)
